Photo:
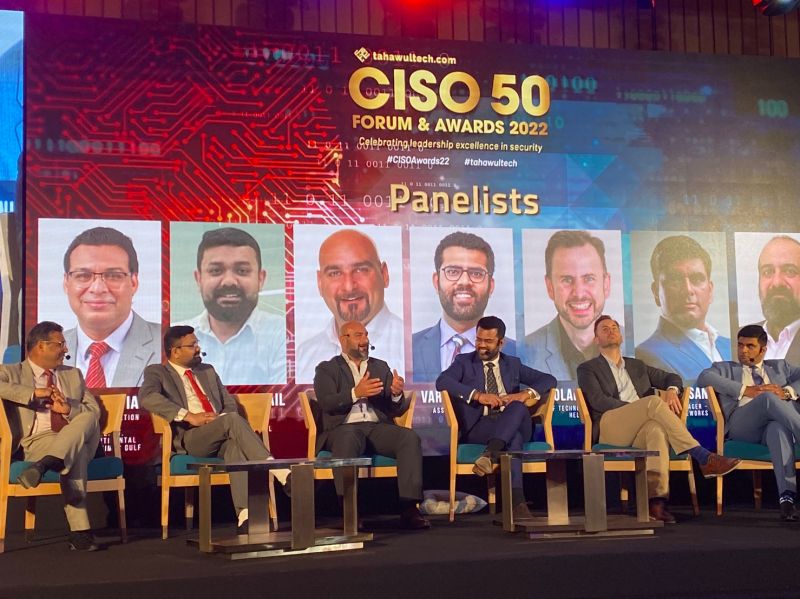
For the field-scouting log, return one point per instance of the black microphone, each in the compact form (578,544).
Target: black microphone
(371,348)
(67,357)
(202,353)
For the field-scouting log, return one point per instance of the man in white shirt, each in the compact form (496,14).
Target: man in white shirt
(759,400)
(779,292)
(246,344)
(683,342)
(352,280)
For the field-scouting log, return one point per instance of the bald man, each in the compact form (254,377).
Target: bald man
(779,292)
(351,280)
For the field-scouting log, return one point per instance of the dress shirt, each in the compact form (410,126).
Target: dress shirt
(706,340)
(108,360)
(362,410)
(627,392)
(194,403)
(777,348)
(42,422)
(448,346)
(501,389)
(747,381)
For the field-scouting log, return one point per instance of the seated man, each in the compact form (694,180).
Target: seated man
(759,402)
(626,410)
(58,423)
(493,409)
(203,415)
(359,396)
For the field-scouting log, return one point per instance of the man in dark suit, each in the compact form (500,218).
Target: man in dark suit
(495,410)
(759,401)
(626,411)
(55,421)
(203,415)
(359,396)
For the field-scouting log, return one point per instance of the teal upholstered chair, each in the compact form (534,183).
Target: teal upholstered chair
(755,457)
(677,463)
(105,473)
(463,455)
(382,466)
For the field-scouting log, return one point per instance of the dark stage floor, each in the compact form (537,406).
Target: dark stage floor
(744,554)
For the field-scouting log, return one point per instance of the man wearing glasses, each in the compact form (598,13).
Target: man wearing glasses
(463,279)
(112,344)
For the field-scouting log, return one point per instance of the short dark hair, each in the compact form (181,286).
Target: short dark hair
(468,241)
(572,239)
(600,319)
(104,236)
(41,332)
(754,331)
(677,248)
(227,236)
(174,335)
(493,323)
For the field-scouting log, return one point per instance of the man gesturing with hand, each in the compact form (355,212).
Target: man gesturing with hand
(359,397)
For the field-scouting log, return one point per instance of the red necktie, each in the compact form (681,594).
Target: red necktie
(57,421)
(207,407)
(95,377)
(458,342)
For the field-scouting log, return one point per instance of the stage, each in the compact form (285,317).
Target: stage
(742,554)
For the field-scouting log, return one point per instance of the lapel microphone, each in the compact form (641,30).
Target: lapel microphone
(67,357)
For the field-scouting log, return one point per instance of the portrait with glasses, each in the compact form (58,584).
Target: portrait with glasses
(457,276)
(102,280)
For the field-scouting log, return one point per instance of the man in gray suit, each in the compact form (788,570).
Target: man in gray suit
(112,344)
(759,399)
(55,421)
(204,418)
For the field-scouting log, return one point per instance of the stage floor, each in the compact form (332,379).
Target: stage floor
(744,554)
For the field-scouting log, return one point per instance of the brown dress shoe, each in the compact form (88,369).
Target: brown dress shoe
(483,465)
(521,512)
(718,465)
(412,519)
(658,511)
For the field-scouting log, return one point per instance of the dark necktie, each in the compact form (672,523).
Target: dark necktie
(57,421)
(757,378)
(207,407)
(491,382)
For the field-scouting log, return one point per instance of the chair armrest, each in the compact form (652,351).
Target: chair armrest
(162,427)
(452,423)
(717,415)
(112,407)
(586,419)
(545,411)
(684,415)
(406,419)
(311,426)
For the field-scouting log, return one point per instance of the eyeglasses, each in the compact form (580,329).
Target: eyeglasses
(112,278)
(476,275)
(61,344)
(194,345)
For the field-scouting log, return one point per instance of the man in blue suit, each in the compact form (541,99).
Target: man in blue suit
(494,409)
(464,281)
(760,402)
(683,341)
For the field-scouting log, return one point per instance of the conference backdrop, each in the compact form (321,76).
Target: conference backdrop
(274,186)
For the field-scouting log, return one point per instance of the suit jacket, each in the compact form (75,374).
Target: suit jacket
(670,349)
(162,393)
(142,346)
(543,351)
(333,386)
(726,379)
(426,351)
(600,388)
(16,389)
(466,374)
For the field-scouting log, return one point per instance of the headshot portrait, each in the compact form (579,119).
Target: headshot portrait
(344,274)
(228,283)
(103,285)
(680,300)
(570,278)
(768,289)
(455,280)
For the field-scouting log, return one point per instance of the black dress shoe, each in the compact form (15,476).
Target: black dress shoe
(31,476)
(658,511)
(412,519)
(789,512)
(82,540)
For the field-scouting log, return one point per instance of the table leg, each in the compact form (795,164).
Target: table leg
(594,493)
(204,476)
(642,505)
(350,499)
(303,524)
(257,502)
(557,504)
(505,488)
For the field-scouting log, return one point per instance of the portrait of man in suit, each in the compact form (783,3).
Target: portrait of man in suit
(55,422)
(578,282)
(779,292)
(684,341)
(463,278)
(111,343)
(246,344)
(759,399)
(491,394)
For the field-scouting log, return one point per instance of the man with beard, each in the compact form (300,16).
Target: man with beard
(111,344)
(779,292)
(246,344)
(491,405)
(359,396)
(683,341)
(351,280)
(203,415)
(579,284)
(463,278)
